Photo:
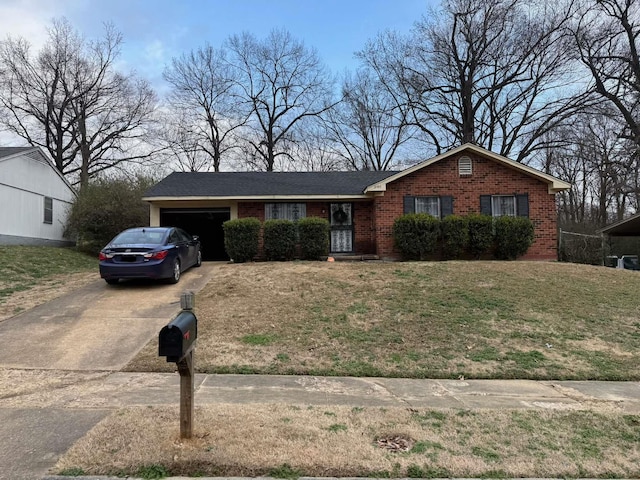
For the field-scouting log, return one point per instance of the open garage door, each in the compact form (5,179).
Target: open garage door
(204,222)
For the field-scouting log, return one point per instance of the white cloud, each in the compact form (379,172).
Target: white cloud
(155,51)
(30,18)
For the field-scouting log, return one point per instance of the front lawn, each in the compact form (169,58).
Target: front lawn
(32,275)
(532,320)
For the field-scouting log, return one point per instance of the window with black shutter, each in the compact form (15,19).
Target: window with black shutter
(505,205)
(435,206)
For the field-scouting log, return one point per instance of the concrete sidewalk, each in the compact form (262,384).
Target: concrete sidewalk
(115,390)
(60,415)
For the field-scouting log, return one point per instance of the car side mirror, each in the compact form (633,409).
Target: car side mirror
(196,238)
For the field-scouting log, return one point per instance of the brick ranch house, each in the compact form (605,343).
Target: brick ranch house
(362,206)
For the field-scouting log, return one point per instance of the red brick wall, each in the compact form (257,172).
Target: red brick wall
(488,178)
(364,229)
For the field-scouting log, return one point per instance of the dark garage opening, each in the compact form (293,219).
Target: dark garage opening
(204,222)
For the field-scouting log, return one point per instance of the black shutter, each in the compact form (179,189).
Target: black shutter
(446,206)
(522,205)
(409,204)
(485,204)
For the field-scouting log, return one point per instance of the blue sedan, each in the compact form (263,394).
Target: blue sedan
(149,252)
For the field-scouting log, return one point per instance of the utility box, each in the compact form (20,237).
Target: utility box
(178,337)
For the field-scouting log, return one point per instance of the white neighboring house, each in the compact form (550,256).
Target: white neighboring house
(35,199)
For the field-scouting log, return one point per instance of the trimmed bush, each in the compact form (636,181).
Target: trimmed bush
(279,239)
(513,237)
(480,234)
(314,237)
(241,238)
(455,235)
(416,235)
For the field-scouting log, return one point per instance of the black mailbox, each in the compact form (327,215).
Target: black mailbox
(178,337)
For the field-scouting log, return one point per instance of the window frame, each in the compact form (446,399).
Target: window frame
(48,211)
(428,197)
(268,211)
(522,207)
(514,206)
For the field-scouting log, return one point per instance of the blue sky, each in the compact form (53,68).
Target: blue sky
(157,30)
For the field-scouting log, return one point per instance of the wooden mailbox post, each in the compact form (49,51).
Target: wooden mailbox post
(177,341)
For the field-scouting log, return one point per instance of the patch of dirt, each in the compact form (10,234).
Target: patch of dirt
(50,288)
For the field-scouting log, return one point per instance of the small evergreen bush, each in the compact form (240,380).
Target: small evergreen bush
(241,237)
(513,237)
(416,235)
(279,239)
(314,237)
(480,234)
(455,235)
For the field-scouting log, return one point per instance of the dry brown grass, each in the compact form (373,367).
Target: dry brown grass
(241,440)
(424,320)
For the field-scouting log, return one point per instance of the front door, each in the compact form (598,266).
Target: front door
(341,218)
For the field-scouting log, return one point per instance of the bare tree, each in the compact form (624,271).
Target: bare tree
(368,127)
(598,164)
(314,150)
(606,35)
(283,83)
(202,95)
(491,72)
(70,100)
(183,150)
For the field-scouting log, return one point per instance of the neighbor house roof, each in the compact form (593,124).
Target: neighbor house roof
(8,151)
(264,185)
(624,228)
(34,153)
(554,184)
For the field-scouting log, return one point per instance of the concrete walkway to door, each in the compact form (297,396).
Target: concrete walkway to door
(97,328)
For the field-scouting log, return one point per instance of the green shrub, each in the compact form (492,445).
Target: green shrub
(480,234)
(455,235)
(416,235)
(104,208)
(513,237)
(314,237)
(241,237)
(279,239)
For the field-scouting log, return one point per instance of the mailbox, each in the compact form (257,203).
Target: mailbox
(178,337)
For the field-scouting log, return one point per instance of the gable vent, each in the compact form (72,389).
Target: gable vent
(465,167)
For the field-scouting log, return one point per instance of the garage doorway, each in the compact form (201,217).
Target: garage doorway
(204,222)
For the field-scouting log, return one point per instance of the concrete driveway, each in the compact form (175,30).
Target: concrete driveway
(98,327)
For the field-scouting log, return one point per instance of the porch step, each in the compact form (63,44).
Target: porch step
(355,258)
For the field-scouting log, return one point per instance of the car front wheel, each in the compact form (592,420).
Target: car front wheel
(199,259)
(175,278)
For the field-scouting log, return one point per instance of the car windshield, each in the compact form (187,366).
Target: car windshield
(153,237)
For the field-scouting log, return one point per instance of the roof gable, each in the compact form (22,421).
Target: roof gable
(554,184)
(33,154)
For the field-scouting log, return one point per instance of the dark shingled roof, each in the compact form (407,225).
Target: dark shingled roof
(248,184)
(6,151)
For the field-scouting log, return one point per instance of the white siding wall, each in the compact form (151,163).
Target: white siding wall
(24,183)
